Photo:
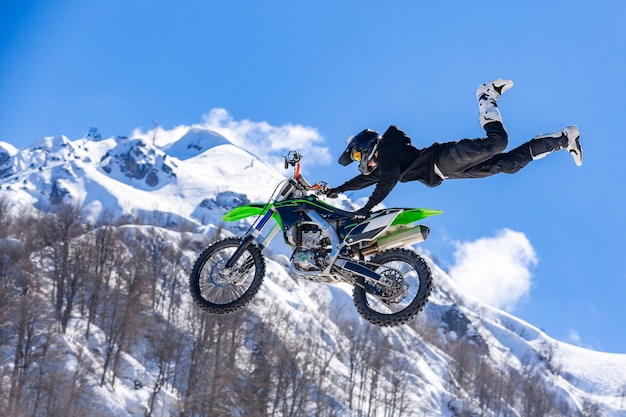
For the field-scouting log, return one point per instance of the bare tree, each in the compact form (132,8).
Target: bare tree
(465,360)
(196,390)
(322,357)
(536,399)
(164,343)
(125,302)
(106,251)
(377,353)
(591,409)
(485,385)
(6,217)
(31,337)
(256,382)
(358,341)
(60,392)
(395,399)
(213,371)
(57,231)
(157,252)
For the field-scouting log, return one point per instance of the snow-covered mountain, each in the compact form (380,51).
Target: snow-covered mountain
(181,182)
(189,184)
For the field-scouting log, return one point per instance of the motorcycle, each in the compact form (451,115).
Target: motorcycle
(391,284)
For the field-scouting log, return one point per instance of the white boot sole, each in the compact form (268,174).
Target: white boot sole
(573,144)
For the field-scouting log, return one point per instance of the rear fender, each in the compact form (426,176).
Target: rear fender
(413,215)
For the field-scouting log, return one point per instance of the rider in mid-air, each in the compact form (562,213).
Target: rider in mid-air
(385,160)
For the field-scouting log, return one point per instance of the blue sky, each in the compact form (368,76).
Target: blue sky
(334,68)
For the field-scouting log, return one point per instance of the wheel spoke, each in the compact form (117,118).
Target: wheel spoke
(222,288)
(410,285)
(218,289)
(409,282)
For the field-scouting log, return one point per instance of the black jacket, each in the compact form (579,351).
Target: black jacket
(397,161)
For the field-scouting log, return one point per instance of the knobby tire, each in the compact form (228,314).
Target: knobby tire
(365,302)
(212,291)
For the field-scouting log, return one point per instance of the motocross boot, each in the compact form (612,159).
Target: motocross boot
(568,139)
(493,90)
(573,144)
(487,95)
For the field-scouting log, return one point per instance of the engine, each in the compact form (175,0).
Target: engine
(312,247)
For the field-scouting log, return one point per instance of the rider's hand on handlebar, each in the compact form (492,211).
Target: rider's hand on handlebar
(332,193)
(320,187)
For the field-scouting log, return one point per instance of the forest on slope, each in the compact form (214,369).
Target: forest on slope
(96,320)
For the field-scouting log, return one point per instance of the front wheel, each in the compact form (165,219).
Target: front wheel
(221,290)
(413,284)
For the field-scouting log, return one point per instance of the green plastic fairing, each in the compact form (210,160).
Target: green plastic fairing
(414,215)
(249,210)
(243,212)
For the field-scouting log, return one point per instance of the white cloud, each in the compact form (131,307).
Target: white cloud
(574,337)
(269,142)
(264,140)
(496,269)
(160,135)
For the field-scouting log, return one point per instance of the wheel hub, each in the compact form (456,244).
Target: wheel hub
(394,287)
(221,276)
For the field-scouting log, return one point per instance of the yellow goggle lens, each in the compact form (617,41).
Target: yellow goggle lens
(356,156)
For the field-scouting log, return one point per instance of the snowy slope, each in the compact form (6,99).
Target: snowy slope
(194,180)
(195,142)
(310,309)
(581,374)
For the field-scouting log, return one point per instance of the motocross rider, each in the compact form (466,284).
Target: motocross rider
(385,160)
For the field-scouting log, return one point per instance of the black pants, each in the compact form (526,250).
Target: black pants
(479,158)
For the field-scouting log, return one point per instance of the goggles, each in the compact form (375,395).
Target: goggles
(356,155)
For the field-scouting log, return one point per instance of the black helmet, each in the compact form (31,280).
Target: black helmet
(361,149)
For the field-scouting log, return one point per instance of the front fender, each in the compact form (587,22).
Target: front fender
(251,210)
(242,212)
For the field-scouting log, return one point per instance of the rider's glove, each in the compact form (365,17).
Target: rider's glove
(332,193)
(361,214)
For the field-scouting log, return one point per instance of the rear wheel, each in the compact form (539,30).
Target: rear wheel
(219,290)
(411,284)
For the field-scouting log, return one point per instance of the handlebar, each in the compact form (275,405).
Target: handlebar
(293,159)
(320,188)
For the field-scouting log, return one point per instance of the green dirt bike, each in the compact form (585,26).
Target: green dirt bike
(391,283)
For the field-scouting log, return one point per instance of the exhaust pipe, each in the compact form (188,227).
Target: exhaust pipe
(398,239)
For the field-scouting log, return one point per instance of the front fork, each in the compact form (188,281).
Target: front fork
(253,234)
(260,223)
